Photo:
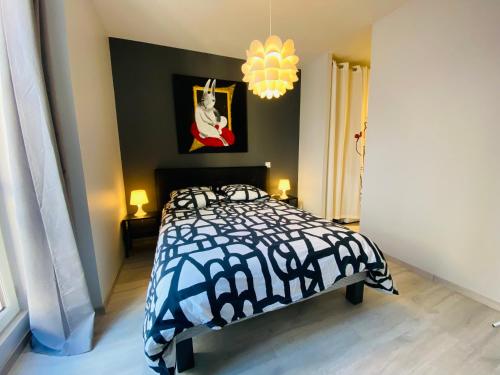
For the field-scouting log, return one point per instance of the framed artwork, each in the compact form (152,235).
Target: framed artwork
(210,114)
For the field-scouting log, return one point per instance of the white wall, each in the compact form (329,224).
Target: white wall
(313,140)
(78,69)
(57,69)
(431,193)
(90,69)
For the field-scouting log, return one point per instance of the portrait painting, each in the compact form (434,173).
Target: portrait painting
(210,115)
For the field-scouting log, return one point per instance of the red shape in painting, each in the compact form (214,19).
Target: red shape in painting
(227,134)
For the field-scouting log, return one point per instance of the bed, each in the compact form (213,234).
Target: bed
(229,262)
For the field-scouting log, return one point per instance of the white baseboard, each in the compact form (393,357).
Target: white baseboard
(464,291)
(13,341)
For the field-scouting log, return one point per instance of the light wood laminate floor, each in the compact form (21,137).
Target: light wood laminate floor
(429,329)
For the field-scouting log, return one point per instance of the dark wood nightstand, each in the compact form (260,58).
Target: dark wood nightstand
(134,227)
(291,200)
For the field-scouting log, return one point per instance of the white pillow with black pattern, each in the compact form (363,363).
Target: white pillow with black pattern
(243,193)
(175,192)
(190,198)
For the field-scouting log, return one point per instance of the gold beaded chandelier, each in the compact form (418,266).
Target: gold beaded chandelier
(270,68)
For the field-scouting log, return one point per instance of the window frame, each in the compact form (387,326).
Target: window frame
(9,302)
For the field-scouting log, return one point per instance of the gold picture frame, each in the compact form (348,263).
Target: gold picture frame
(229,91)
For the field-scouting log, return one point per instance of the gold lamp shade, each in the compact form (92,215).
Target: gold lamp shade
(271,68)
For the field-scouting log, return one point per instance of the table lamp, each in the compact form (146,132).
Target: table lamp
(284,185)
(138,198)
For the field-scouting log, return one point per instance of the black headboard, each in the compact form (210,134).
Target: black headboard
(168,179)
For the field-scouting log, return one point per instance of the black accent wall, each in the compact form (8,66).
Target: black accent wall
(142,78)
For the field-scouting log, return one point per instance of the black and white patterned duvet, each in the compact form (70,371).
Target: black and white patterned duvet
(222,263)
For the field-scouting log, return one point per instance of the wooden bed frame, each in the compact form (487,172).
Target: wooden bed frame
(169,179)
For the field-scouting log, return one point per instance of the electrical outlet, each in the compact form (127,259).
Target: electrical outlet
(268,164)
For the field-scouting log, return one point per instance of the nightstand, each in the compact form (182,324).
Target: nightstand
(291,200)
(134,227)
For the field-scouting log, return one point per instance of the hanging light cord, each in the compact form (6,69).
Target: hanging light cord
(270,18)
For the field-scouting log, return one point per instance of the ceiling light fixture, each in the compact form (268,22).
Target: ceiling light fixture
(271,68)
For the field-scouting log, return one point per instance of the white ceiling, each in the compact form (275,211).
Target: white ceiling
(226,27)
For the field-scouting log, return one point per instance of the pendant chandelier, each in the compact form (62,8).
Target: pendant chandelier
(270,68)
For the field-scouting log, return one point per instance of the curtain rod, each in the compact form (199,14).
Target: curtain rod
(355,68)
(340,65)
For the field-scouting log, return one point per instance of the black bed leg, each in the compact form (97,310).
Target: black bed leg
(184,355)
(354,292)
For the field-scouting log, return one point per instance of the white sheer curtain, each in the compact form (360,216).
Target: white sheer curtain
(348,114)
(31,187)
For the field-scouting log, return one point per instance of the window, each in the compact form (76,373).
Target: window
(9,306)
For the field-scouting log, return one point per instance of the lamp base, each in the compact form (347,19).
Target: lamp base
(140,212)
(283,195)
